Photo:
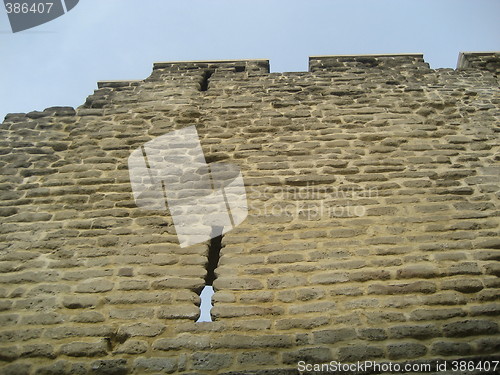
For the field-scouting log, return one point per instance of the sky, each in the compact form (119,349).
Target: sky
(60,62)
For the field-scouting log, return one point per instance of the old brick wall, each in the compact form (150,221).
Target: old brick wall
(373,192)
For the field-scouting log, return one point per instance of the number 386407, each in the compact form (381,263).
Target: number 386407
(25,8)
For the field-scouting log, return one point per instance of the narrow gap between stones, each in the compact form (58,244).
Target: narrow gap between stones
(214,249)
(205,78)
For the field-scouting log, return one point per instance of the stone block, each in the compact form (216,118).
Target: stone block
(372,334)
(144,365)
(405,350)
(237,283)
(132,346)
(333,336)
(277,282)
(309,307)
(487,345)
(425,287)
(252,342)
(354,353)
(448,349)
(191,342)
(463,285)
(470,327)
(258,358)
(179,311)
(141,329)
(308,355)
(79,302)
(110,367)
(420,271)
(84,349)
(17,369)
(419,332)
(20,335)
(436,314)
(9,353)
(211,361)
(95,286)
(301,323)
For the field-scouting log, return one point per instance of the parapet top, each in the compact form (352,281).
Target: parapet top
(421,55)
(240,65)
(196,62)
(479,60)
(343,62)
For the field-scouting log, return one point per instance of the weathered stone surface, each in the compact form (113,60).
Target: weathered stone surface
(372,230)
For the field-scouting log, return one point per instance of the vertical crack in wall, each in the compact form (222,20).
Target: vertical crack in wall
(205,80)
(214,249)
(213,257)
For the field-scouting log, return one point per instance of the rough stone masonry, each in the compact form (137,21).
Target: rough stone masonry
(372,233)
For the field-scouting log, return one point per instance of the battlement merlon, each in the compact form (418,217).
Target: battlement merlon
(251,65)
(489,61)
(401,61)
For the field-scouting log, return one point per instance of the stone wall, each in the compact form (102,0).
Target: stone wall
(372,232)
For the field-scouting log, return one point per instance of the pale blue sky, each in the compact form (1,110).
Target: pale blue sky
(59,63)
